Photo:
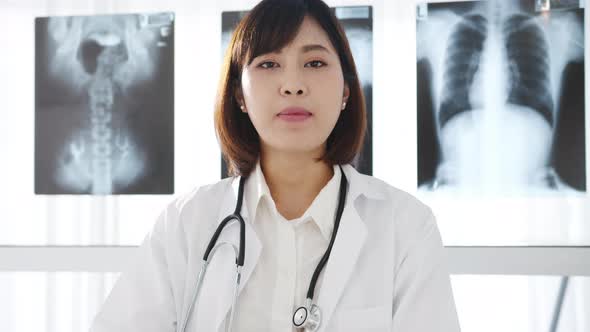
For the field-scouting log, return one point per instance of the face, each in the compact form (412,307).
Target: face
(294,96)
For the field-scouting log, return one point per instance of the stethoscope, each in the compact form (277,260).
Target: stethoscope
(307,316)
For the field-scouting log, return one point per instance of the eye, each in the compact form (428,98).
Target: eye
(316,64)
(267,64)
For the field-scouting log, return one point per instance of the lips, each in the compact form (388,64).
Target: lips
(294,114)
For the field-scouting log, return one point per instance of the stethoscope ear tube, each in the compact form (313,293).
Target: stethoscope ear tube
(236,215)
(309,316)
(339,211)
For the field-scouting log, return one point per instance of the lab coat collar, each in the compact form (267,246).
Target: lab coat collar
(361,185)
(347,247)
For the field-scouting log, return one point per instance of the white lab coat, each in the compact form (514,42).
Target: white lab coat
(387,270)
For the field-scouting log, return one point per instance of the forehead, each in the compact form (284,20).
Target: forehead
(310,32)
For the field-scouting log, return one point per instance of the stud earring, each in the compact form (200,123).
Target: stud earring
(343,105)
(242,107)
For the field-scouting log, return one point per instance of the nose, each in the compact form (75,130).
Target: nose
(286,91)
(293,85)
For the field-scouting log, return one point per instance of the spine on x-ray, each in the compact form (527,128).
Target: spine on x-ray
(101,102)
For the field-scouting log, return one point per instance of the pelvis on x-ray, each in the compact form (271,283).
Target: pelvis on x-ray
(104,110)
(500,97)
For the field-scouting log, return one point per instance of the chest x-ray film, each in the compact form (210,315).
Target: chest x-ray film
(358,26)
(104,104)
(505,88)
(501,118)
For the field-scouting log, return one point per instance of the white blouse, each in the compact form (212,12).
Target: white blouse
(291,250)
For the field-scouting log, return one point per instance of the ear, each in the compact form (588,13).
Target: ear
(346,92)
(345,95)
(239,97)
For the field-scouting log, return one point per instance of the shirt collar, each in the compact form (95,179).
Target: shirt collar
(322,210)
(256,189)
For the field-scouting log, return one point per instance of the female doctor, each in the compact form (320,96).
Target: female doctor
(324,247)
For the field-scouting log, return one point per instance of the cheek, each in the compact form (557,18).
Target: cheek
(257,98)
(256,91)
(330,89)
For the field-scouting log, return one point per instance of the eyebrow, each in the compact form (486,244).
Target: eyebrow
(314,47)
(309,48)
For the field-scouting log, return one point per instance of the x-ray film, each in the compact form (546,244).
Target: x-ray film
(358,26)
(501,97)
(502,123)
(104,110)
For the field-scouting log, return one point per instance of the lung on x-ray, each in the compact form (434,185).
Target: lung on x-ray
(104,107)
(501,97)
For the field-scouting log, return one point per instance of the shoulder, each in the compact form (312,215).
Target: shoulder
(404,223)
(401,203)
(202,202)
(390,208)
(202,194)
(406,205)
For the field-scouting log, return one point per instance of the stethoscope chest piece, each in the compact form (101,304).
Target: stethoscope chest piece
(307,317)
(300,316)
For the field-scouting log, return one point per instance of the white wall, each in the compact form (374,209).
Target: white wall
(31,220)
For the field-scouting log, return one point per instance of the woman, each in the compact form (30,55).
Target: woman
(290,117)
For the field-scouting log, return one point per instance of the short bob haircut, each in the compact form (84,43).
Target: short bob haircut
(268,27)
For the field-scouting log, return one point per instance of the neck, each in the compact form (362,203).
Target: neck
(294,179)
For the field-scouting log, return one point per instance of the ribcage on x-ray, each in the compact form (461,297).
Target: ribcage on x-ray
(528,60)
(500,97)
(526,56)
(461,64)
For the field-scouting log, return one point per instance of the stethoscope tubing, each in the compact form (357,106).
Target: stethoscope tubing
(234,216)
(240,253)
(324,260)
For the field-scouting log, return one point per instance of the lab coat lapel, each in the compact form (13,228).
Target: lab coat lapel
(348,244)
(217,292)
